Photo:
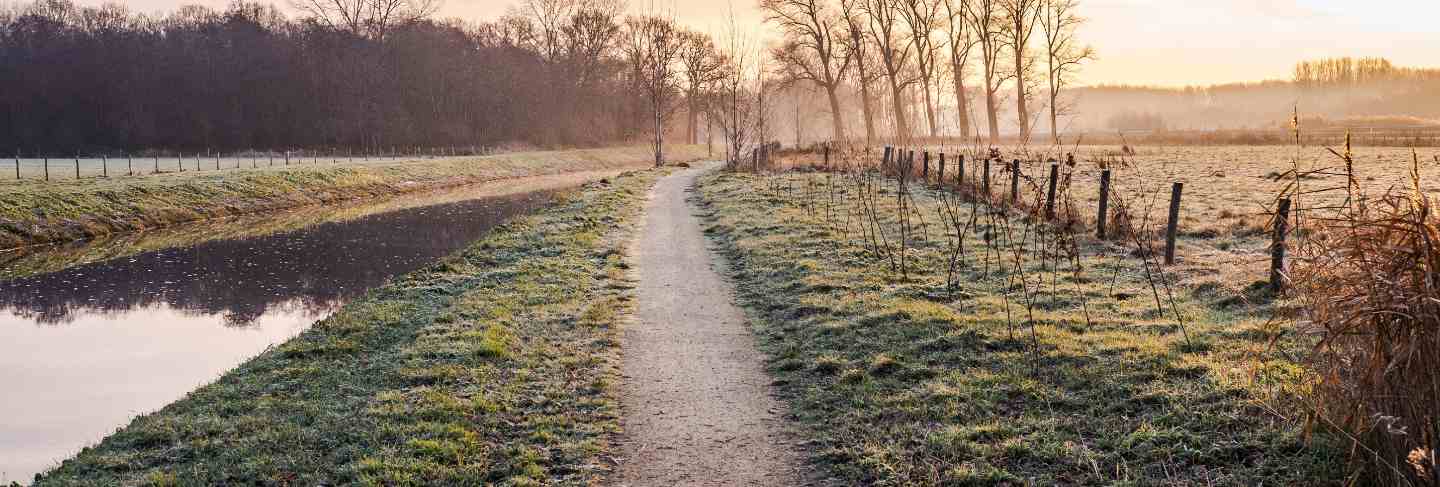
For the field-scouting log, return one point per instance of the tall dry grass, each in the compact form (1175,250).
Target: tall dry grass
(1368,275)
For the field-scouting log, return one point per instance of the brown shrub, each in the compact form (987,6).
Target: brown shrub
(1369,279)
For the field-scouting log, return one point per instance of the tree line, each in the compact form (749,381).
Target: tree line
(382,75)
(375,75)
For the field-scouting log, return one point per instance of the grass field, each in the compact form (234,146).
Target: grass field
(491,367)
(1039,377)
(38,212)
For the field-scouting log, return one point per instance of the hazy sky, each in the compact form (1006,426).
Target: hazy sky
(1164,42)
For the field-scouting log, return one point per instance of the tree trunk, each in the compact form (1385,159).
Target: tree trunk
(836,118)
(990,109)
(1054,129)
(961,105)
(902,127)
(1023,114)
(692,125)
(930,108)
(865,108)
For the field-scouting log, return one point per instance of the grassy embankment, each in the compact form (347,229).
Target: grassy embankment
(491,366)
(902,382)
(34,212)
(40,259)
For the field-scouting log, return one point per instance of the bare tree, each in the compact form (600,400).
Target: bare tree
(857,50)
(700,64)
(894,50)
(732,98)
(652,45)
(988,27)
(368,18)
(1020,19)
(587,38)
(1058,21)
(961,41)
(810,51)
(921,16)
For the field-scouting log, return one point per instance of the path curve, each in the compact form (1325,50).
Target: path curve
(696,400)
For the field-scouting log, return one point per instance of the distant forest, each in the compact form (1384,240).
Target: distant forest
(1332,92)
(105,79)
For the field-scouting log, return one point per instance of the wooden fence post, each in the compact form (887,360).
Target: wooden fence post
(129,164)
(104,166)
(885,159)
(1171,227)
(925,168)
(1050,195)
(827,156)
(940,177)
(47,168)
(1015,182)
(1104,204)
(1277,246)
(960,172)
(17,164)
(985,182)
(77,165)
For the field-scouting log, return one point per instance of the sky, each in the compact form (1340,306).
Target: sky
(1151,42)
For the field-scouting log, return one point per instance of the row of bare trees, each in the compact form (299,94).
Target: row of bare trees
(364,74)
(910,52)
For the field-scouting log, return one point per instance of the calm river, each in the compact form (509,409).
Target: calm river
(141,321)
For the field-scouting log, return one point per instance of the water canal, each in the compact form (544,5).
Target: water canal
(94,334)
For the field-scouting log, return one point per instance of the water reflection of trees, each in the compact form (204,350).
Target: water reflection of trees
(242,280)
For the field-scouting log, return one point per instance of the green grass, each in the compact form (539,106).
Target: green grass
(493,366)
(903,382)
(34,211)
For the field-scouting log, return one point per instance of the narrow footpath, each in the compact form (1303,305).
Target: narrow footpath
(696,400)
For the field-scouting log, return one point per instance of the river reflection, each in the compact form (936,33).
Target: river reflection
(85,348)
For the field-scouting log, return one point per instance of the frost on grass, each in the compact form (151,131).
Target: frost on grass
(903,380)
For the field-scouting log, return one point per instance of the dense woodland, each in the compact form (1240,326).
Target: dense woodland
(386,76)
(93,79)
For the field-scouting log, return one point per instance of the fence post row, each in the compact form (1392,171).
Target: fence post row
(1171,227)
(1277,247)
(1104,204)
(1050,195)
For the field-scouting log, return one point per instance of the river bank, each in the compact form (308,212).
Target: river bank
(493,365)
(37,212)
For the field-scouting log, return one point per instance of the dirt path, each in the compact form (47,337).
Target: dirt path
(697,403)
